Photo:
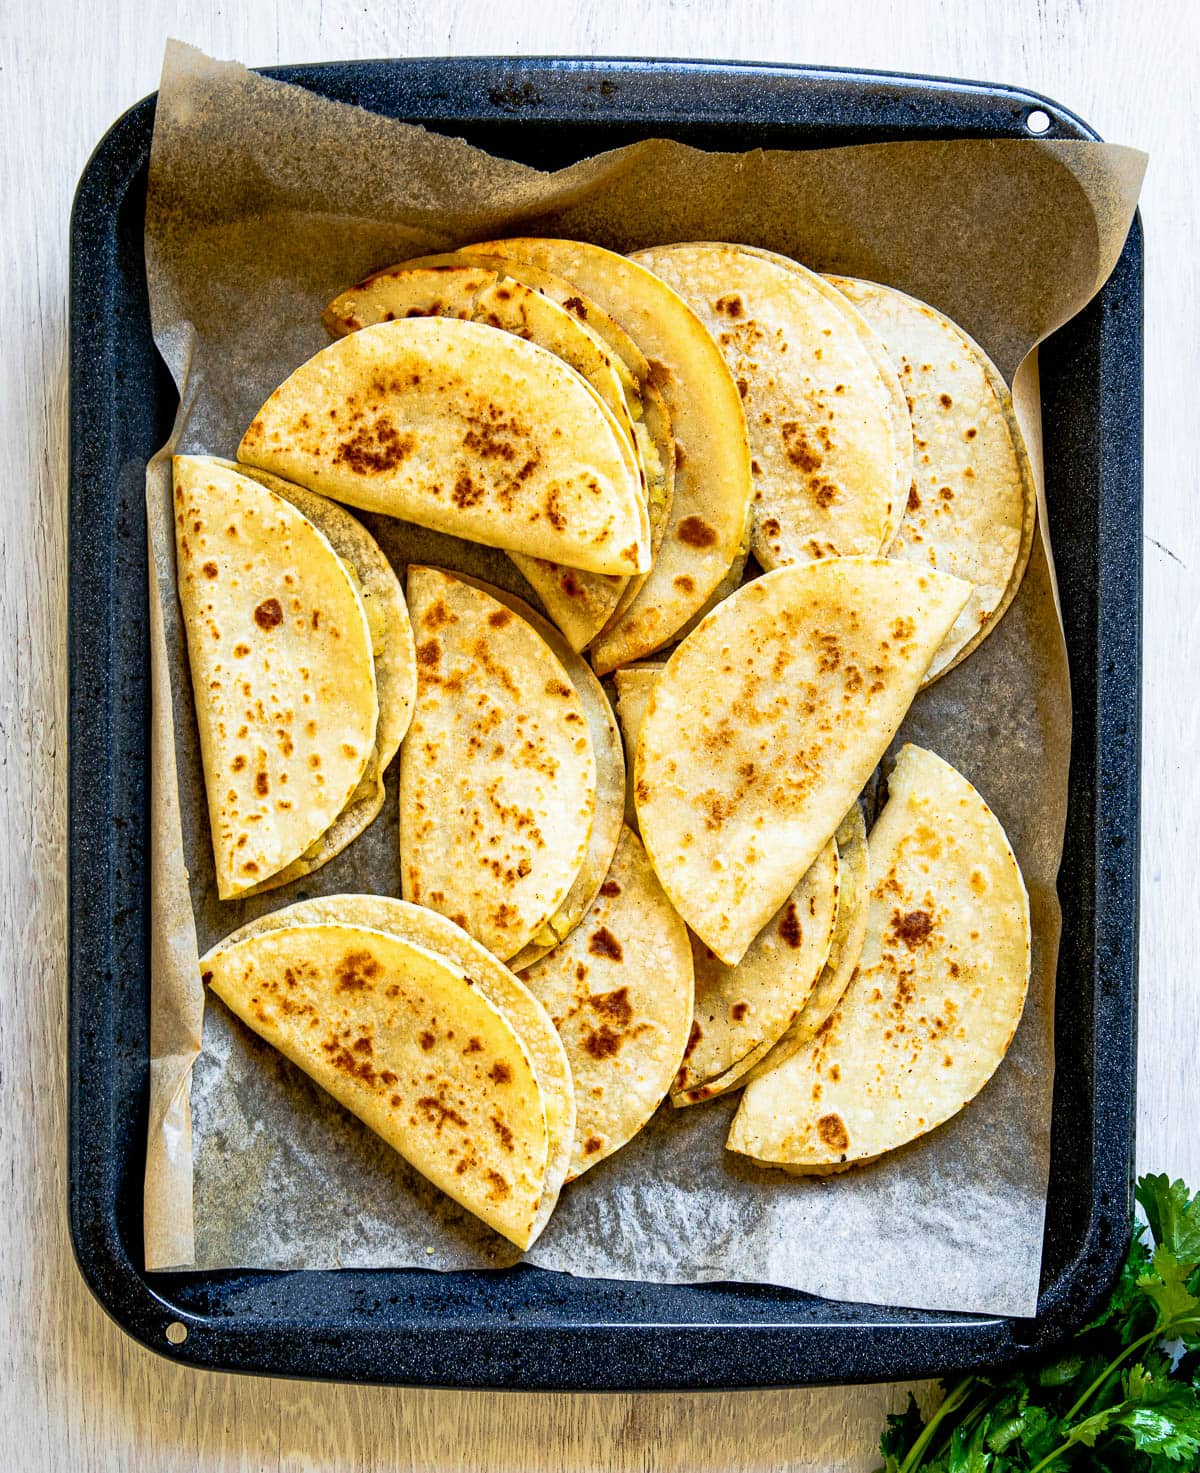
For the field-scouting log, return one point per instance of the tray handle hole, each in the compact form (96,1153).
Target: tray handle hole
(176,1332)
(1038,121)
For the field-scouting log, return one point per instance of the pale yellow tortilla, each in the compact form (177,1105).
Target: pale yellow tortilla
(937,996)
(651,421)
(282,670)
(767,721)
(712,458)
(849,933)
(634,684)
(391,648)
(972,504)
(529,1020)
(579,603)
(464,429)
(742,1012)
(619,991)
(610,782)
(498,770)
(403,1039)
(827,481)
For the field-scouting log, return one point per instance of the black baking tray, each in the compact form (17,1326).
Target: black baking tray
(528,1328)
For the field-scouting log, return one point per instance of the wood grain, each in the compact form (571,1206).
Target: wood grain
(74,1392)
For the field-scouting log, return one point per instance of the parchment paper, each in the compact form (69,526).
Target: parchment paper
(264,202)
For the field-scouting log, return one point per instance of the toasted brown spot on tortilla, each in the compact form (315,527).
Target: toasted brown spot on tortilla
(832,1130)
(374,449)
(914,501)
(592,1145)
(268,614)
(602,1043)
(696,532)
(912,928)
(437,1113)
(436,615)
(739,1010)
(799,449)
(262,784)
(426,1040)
(610,888)
(604,943)
(685,583)
(498,618)
(466,492)
(790,928)
(946,401)
(355,971)
(429,653)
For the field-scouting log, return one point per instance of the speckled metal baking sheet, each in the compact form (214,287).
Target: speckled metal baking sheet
(526,1328)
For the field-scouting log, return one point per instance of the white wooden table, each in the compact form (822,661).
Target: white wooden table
(74,1392)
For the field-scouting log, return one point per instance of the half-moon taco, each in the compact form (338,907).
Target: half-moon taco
(404,1039)
(301,665)
(470,431)
(529,1020)
(937,996)
(972,504)
(765,724)
(619,991)
(498,770)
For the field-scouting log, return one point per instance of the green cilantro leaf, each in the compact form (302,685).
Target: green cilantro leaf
(1174,1219)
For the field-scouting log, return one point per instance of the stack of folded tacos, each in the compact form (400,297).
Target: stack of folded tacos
(609,898)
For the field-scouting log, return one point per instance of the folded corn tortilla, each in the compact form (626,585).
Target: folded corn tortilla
(529,1020)
(765,724)
(972,504)
(712,459)
(464,429)
(405,1040)
(937,995)
(282,665)
(830,474)
(619,991)
(498,770)
(392,651)
(742,1012)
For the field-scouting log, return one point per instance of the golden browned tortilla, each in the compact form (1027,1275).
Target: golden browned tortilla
(936,998)
(849,933)
(529,1020)
(830,474)
(282,670)
(498,770)
(579,603)
(765,724)
(742,1012)
(619,991)
(712,459)
(404,1039)
(972,504)
(648,411)
(459,427)
(391,649)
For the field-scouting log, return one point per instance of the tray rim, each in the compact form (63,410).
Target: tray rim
(103,1260)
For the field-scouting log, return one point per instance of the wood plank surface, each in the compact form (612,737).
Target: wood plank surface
(74,1392)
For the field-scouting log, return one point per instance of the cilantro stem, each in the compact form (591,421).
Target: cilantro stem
(1050,1457)
(1170,1328)
(953,1400)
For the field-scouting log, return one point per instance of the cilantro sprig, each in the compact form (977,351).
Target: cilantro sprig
(1122,1397)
